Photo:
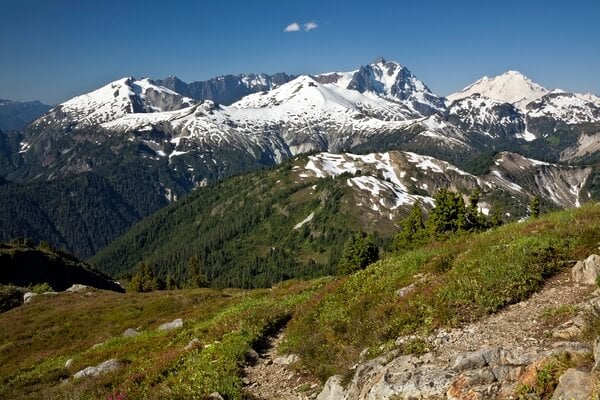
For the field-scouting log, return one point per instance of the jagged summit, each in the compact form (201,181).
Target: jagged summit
(510,87)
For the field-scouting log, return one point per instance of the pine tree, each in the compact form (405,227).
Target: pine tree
(534,207)
(196,278)
(359,251)
(413,231)
(448,215)
(144,279)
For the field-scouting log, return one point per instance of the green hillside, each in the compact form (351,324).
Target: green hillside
(244,231)
(24,265)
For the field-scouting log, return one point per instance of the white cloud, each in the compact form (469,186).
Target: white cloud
(310,26)
(293,27)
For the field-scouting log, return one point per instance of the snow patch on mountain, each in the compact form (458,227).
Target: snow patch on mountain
(567,107)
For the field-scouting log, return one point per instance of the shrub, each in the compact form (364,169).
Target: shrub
(10,297)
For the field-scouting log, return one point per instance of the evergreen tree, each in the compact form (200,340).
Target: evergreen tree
(496,217)
(359,251)
(448,215)
(413,231)
(144,279)
(534,207)
(196,278)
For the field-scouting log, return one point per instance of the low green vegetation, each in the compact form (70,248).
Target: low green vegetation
(37,339)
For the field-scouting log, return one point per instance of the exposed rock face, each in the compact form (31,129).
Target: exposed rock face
(574,385)
(169,326)
(586,272)
(100,369)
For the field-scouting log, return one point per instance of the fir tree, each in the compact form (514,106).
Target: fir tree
(534,207)
(413,231)
(196,277)
(359,251)
(144,279)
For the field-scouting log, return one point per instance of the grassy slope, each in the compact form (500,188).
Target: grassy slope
(457,282)
(36,339)
(332,319)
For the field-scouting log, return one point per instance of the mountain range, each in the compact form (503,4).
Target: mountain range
(15,115)
(118,154)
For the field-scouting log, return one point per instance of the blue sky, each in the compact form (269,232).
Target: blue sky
(53,50)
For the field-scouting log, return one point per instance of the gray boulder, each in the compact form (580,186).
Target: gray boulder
(574,385)
(130,332)
(586,272)
(169,326)
(193,344)
(405,291)
(333,389)
(77,288)
(100,369)
(28,296)
(69,363)
(286,360)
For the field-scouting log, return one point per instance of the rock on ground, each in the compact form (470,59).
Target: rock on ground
(193,344)
(130,332)
(586,272)
(574,385)
(100,369)
(169,326)
(78,288)
(28,296)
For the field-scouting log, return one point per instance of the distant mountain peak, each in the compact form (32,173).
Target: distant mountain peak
(510,87)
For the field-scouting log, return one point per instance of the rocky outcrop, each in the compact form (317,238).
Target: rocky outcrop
(586,272)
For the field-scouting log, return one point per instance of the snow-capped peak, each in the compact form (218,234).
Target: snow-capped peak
(392,80)
(510,87)
(118,98)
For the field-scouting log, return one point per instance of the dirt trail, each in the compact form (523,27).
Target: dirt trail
(269,379)
(526,324)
